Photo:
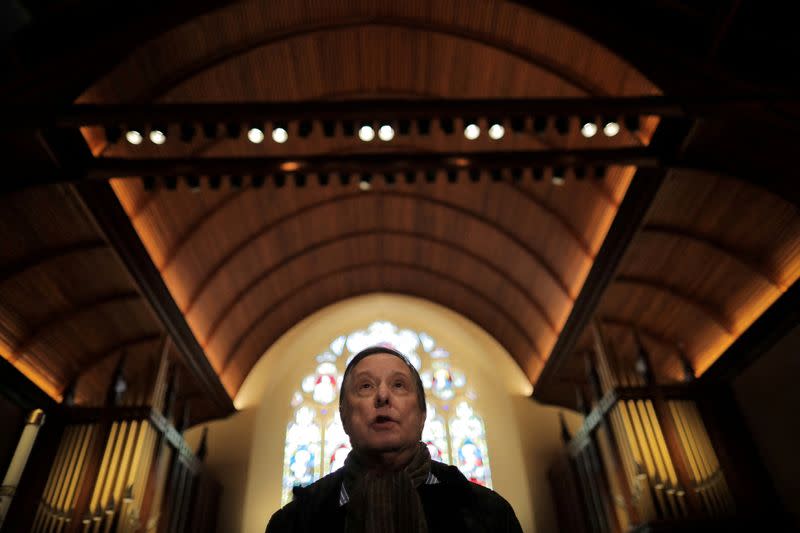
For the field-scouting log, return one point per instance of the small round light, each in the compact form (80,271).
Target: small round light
(280,135)
(558,180)
(364,185)
(134,137)
(472,131)
(157,137)
(589,129)
(611,128)
(386,133)
(496,132)
(366,133)
(256,135)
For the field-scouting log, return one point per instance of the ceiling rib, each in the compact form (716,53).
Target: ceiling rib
(644,330)
(103,207)
(717,247)
(182,75)
(220,265)
(48,255)
(374,264)
(675,293)
(224,313)
(58,319)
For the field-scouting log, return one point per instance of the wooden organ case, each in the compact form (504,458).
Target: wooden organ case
(644,459)
(124,466)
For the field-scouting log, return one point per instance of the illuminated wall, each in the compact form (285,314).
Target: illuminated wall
(246,451)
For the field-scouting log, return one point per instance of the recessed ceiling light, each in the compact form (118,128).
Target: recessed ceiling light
(134,137)
(256,135)
(496,132)
(589,129)
(157,137)
(472,131)
(386,133)
(280,135)
(611,128)
(366,133)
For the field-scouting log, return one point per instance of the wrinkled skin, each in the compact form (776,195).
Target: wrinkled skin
(380,411)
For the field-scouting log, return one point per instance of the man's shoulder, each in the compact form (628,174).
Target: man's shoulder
(308,499)
(482,502)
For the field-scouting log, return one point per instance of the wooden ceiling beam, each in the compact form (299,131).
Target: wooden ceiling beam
(776,322)
(48,255)
(669,140)
(68,151)
(675,293)
(58,319)
(78,115)
(220,265)
(103,206)
(225,312)
(644,330)
(311,282)
(715,246)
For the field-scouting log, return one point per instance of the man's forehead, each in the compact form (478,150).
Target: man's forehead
(384,362)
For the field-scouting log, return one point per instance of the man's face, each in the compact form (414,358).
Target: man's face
(382,413)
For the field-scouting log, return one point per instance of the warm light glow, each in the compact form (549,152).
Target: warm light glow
(558,180)
(255,135)
(460,161)
(366,133)
(134,137)
(280,135)
(611,128)
(157,137)
(496,132)
(386,133)
(472,131)
(589,129)
(290,166)
(364,185)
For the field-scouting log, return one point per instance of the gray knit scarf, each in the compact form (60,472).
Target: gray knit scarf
(387,502)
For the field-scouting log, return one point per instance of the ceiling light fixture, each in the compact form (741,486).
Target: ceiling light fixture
(472,131)
(255,135)
(280,135)
(366,133)
(134,137)
(588,128)
(611,128)
(157,136)
(386,133)
(496,131)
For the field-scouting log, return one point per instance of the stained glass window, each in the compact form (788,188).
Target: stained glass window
(316,443)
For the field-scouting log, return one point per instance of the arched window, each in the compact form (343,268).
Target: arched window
(316,443)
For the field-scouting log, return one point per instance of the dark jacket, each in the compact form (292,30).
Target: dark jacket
(453,504)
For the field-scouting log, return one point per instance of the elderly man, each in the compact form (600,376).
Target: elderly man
(388,482)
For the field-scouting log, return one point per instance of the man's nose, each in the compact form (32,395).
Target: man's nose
(381,395)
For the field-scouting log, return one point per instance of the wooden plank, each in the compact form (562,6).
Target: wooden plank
(668,139)
(102,204)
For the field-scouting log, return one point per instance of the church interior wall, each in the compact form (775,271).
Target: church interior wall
(245,451)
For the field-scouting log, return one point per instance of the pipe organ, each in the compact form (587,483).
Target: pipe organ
(643,459)
(124,467)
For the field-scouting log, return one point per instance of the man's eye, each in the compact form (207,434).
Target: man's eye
(365,386)
(399,384)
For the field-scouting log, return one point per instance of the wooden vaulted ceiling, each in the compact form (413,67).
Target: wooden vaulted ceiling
(712,255)
(70,311)
(243,264)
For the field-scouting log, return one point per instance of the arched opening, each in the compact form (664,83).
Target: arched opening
(248,451)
